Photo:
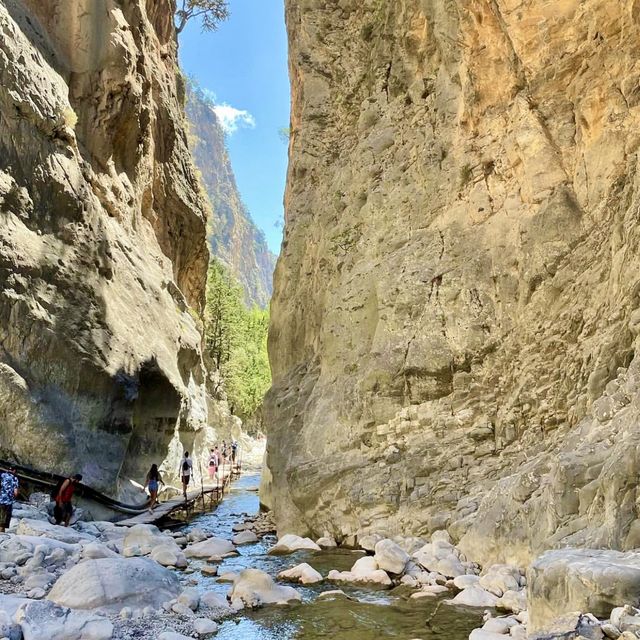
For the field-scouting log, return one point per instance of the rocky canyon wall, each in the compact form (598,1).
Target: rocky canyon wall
(457,300)
(234,237)
(103,250)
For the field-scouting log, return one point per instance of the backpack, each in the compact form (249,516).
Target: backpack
(185,467)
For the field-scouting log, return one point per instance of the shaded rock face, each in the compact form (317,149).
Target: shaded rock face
(456,302)
(234,237)
(102,241)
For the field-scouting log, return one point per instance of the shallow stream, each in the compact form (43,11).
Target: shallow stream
(372,614)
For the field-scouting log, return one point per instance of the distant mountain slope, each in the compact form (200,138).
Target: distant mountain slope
(234,237)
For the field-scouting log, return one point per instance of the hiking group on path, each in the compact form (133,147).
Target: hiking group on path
(64,490)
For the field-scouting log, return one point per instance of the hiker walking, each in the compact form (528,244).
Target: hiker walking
(64,507)
(213,464)
(234,451)
(185,470)
(8,493)
(224,451)
(153,481)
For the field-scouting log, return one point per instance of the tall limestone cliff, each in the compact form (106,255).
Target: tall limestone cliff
(457,302)
(103,250)
(234,237)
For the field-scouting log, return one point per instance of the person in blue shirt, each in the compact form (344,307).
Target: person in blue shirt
(8,493)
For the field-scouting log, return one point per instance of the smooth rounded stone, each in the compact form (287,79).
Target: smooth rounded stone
(36,593)
(499,625)
(182,610)
(333,594)
(518,632)
(462,582)
(254,588)
(39,581)
(8,573)
(369,541)
(623,617)
(190,598)
(204,626)
(169,556)
(213,600)
(302,573)
(95,550)
(240,527)
(245,537)
(290,543)
(209,570)
(364,566)
(500,578)
(326,542)
(228,576)
(390,556)
(126,613)
(450,567)
(422,594)
(441,535)
(567,580)
(44,620)
(435,588)
(142,539)
(409,581)
(197,535)
(181,541)
(611,631)
(109,584)
(173,635)
(515,601)
(39,528)
(475,596)
(208,548)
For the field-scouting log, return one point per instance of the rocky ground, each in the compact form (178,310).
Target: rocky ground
(101,581)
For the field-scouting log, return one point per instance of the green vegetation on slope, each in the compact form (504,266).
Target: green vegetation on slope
(236,342)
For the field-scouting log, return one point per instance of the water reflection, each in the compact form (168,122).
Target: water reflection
(369,614)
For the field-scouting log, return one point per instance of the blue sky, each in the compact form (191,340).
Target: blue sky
(244,63)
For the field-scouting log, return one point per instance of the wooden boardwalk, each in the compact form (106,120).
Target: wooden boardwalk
(208,496)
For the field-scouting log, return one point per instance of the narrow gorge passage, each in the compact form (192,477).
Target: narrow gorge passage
(381,257)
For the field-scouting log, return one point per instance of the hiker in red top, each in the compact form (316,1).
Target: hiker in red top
(64,508)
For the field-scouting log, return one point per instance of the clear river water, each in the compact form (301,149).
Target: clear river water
(369,614)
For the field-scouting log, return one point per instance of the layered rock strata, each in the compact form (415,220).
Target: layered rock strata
(102,242)
(456,303)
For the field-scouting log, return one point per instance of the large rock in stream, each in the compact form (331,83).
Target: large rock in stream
(587,580)
(109,584)
(254,588)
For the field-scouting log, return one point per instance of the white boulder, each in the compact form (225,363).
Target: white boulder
(254,588)
(475,596)
(290,543)
(245,537)
(302,573)
(390,556)
(109,584)
(209,547)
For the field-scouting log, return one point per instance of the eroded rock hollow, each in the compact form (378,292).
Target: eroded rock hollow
(102,241)
(456,304)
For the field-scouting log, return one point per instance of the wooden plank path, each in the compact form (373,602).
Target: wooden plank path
(208,494)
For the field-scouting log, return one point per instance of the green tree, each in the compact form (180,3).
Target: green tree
(236,341)
(211,12)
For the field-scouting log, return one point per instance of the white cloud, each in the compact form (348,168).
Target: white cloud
(231,119)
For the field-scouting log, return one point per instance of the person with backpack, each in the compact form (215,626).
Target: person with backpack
(8,493)
(185,470)
(234,451)
(64,506)
(153,482)
(213,464)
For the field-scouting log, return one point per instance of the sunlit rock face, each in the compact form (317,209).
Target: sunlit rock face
(102,242)
(457,299)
